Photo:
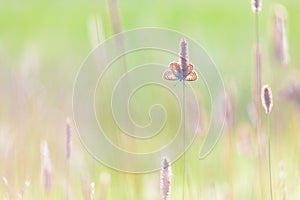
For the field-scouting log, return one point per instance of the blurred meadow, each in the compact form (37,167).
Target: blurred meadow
(44,43)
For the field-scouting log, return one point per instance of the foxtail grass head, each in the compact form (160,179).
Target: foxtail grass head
(291,92)
(46,174)
(68,138)
(281,48)
(165,178)
(266,98)
(8,188)
(22,191)
(183,54)
(256,5)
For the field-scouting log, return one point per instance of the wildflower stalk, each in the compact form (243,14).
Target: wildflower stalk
(68,156)
(22,191)
(184,64)
(257,58)
(281,49)
(256,8)
(9,192)
(184,138)
(269,153)
(97,29)
(46,173)
(165,178)
(267,102)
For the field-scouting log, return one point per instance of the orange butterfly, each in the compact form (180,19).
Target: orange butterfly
(176,72)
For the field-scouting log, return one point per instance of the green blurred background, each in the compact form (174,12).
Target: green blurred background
(42,45)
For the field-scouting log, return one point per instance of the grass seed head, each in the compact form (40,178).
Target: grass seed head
(256,5)
(266,98)
(165,178)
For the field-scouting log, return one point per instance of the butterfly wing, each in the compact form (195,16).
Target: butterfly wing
(187,70)
(192,76)
(190,68)
(175,68)
(169,75)
(173,72)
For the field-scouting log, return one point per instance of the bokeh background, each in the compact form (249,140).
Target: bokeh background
(42,45)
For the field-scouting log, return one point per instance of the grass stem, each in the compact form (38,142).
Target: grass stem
(257,60)
(257,91)
(269,154)
(184,139)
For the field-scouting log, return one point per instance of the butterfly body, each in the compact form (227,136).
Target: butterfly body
(180,76)
(177,72)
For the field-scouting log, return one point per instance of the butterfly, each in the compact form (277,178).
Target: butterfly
(176,72)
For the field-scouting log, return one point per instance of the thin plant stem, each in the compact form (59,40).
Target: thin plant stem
(269,154)
(183,121)
(257,27)
(257,93)
(257,69)
(68,181)
(229,154)
(97,29)
(257,58)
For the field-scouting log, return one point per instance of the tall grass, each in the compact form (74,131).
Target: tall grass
(184,64)
(256,8)
(68,156)
(267,102)
(46,167)
(165,178)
